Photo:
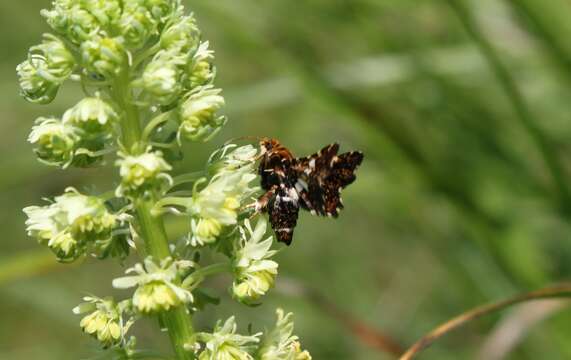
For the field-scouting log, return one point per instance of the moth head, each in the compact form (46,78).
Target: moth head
(267,145)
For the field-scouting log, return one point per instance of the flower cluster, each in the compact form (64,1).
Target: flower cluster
(79,138)
(71,224)
(224,343)
(142,173)
(148,79)
(106,319)
(157,285)
(198,114)
(218,204)
(254,272)
(47,67)
(280,343)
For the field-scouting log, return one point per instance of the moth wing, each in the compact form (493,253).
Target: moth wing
(321,193)
(342,170)
(309,164)
(283,210)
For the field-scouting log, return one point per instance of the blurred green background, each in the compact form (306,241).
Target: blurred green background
(464,114)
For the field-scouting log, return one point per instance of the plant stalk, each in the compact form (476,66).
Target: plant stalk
(152,230)
(562,291)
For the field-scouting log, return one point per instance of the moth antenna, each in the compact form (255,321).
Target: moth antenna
(240,138)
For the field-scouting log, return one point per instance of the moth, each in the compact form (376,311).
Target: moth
(313,183)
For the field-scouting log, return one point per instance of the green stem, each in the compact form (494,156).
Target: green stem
(196,277)
(517,100)
(130,124)
(186,178)
(152,229)
(154,123)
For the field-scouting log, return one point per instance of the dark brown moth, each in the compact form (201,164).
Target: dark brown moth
(313,183)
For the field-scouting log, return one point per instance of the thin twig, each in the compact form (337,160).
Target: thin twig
(427,340)
(515,326)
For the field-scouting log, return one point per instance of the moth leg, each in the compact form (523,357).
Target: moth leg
(261,205)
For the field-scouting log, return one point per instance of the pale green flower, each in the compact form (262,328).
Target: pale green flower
(59,17)
(93,115)
(86,216)
(224,344)
(137,26)
(55,142)
(142,173)
(41,223)
(70,224)
(107,12)
(230,158)
(157,286)
(74,141)
(280,343)
(183,34)
(217,205)
(105,320)
(201,72)
(59,60)
(161,77)
(72,20)
(198,114)
(254,273)
(103,57)
(36,85)
(161,9)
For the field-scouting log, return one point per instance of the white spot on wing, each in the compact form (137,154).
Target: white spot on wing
(301,185)
(333,161)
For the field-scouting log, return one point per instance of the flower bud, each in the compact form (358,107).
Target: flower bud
(69,225)
(137,26)
(197,114)
(55,142)
(86,216)
(224,343)
(280,343)
(104,322)
(71,20)
(161,9)
(201,72)
(47,67)
(103,57)
(254,273)
(232,158)
(34,86)
(182,34)
(58,18)
(157,288)
(142,173)
(92,115)
(65,246)
(161,78)
(59,60)
(107,12)
(217,205)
